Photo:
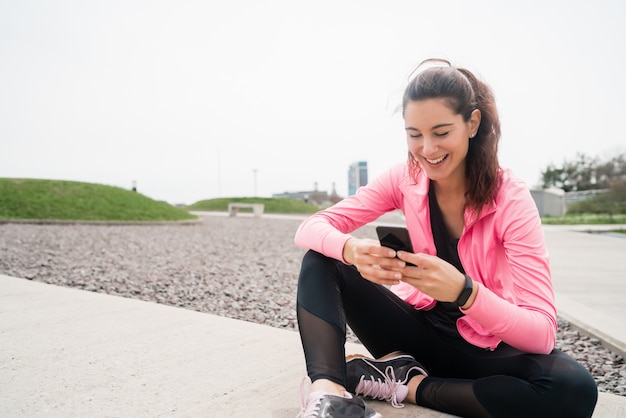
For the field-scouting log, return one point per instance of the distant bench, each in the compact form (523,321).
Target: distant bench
(257,208)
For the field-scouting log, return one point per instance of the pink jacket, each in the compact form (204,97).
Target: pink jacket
(503,251)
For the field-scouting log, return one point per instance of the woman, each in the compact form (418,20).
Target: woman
(466,324)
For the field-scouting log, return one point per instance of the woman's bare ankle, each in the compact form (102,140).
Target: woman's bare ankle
(413,384)
(327,386)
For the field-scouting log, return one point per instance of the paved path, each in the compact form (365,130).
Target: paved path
(589,277)
(71,353)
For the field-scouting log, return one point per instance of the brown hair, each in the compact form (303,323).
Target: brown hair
(464,93)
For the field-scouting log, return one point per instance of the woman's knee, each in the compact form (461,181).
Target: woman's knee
(317,276)
(313,257)
(576,389)
(315,265)
(584,391)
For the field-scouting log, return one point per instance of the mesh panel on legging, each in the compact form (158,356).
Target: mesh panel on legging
(321,319)
(324,361)
(454,396)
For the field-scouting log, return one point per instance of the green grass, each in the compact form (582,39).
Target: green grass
(35,199)
(272,205)
(585,219)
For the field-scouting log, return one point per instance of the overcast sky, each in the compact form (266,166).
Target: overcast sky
(196,99)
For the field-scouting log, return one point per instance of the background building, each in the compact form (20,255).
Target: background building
(550,201)
(357,176)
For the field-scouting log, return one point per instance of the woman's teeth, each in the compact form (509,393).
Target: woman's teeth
(438,160)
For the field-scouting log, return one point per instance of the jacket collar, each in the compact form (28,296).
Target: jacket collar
(416,194)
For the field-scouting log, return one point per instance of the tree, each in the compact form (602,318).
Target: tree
(553,176)
(611,170)
(584,173)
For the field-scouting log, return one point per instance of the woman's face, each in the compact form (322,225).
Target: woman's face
(438,138)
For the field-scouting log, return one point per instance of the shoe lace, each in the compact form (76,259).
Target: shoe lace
(309,407)
(385,388)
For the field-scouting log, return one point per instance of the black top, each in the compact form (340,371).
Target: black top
(443,315)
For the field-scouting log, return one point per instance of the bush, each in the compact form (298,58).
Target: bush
(612,202)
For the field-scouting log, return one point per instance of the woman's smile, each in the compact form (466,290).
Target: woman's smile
(436,161)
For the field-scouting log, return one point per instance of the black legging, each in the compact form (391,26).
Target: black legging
(464,380)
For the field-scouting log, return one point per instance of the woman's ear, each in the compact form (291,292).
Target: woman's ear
(474,122)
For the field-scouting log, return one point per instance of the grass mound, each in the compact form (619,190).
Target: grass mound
(272,205)
(585,219)
(77,201)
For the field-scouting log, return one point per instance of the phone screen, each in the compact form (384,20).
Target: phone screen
(395,237)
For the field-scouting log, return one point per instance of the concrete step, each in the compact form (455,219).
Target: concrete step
(72,353)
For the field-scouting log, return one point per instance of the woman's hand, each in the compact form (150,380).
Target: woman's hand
(376,263)
(433,276)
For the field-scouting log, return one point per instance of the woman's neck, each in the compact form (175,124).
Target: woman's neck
(449,187)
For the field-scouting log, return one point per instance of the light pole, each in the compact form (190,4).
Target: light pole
(254,170)
(219,174)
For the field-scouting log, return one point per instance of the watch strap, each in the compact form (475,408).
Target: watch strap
(466,292)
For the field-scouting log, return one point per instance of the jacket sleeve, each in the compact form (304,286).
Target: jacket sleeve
(523,314)
(328,230)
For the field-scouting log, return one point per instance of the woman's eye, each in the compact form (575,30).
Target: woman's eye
(441,134)
(415,135)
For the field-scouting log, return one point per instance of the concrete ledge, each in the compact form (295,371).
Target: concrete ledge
(257,208)
(67,352)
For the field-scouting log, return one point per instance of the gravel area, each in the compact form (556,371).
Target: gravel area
(242,267)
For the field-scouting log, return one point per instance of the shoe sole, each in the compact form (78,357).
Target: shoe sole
(389,356)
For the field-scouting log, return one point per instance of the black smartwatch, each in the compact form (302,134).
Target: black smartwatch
(466,292)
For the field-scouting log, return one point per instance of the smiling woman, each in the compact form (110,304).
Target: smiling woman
(468,324)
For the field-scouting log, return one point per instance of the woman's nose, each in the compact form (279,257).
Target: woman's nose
(428,146)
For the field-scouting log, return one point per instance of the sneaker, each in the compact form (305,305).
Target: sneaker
(325,405)
(384,378)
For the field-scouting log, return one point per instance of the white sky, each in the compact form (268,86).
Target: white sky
(189,97)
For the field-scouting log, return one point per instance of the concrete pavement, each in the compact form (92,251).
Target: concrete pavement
(71,353)
(589,278)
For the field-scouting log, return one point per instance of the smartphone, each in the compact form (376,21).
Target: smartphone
(395,237)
